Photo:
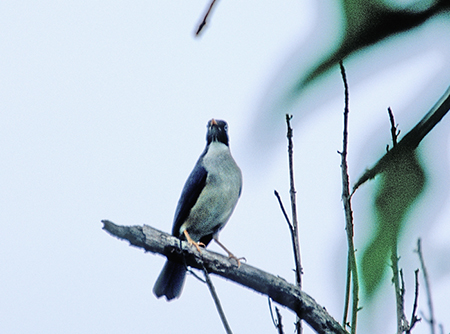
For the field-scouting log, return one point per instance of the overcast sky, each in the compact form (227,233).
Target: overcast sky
(103,112)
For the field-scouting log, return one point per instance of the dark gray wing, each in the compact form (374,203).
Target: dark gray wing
(191,191)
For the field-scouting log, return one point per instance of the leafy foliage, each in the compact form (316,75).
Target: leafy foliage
(401,183)
(370,21)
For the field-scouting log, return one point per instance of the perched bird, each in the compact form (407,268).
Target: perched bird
(207,201)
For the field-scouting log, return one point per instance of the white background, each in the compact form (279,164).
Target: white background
(103,112)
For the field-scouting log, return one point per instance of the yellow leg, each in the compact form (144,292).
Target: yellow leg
(192,242)
(230,255)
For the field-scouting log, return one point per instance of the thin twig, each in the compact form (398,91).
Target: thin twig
(399,283)
(348,282)
(193,273)
(346,199)
(394,128)
(217,302)
(205,18)
(271,312)
(295,238)
(430,320)
(414,317)
(295,230)
(277,323)
(396,273)
(277,195)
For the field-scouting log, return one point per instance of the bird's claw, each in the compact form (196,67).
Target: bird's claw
(192,242)
(197,245)
(238,259)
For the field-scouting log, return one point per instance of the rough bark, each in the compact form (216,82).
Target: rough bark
(277,288)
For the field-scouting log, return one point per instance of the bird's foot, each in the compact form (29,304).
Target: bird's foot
(230,255)
(238,259)
(192,242)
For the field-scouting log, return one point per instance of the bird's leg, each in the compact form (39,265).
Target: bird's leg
(230,255)
(192,242)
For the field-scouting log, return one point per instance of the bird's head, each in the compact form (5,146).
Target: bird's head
(217,131)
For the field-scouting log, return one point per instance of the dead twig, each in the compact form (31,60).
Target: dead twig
(277,195)
(402,323)
(430,319)
(277,323)
(205,18)
(352,269)
(294,224)
(216,299)
(414,317)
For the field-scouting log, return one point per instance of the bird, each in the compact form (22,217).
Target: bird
(207,201)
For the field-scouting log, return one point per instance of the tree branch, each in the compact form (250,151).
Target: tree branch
(412,139)
(284,293)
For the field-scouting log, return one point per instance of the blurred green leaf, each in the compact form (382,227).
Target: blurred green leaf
(370,21)
(400,185)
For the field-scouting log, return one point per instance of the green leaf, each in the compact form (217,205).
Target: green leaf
(401,183)
(368,22)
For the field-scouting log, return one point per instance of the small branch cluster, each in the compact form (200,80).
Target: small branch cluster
(403,325)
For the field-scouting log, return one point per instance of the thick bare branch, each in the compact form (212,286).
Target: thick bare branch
(284,293)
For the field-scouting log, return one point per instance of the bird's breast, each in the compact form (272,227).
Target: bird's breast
(219,196)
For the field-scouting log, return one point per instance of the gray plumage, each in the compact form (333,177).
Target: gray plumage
(207,201)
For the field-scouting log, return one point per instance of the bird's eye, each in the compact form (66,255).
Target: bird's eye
(226,127)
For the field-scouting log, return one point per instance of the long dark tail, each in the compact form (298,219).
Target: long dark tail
(170,281)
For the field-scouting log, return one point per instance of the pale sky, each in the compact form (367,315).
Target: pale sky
(103,112)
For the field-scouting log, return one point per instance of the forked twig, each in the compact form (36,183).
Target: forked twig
(293,225)
(414,317)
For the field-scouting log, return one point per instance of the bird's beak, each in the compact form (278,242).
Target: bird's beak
(213,122)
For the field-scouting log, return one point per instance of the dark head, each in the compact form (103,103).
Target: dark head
(217,131)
